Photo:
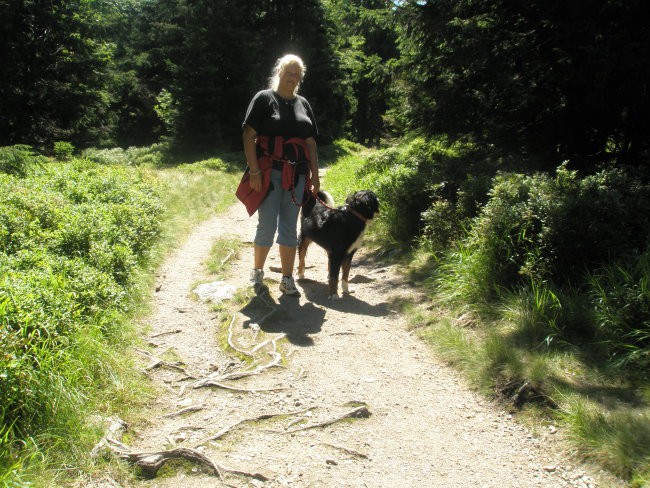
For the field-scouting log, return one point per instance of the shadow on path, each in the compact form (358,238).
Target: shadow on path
(317,292)
(287,315)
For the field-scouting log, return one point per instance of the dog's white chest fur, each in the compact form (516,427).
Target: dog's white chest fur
(356,244)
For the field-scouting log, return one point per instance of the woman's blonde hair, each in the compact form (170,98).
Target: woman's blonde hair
(280,65)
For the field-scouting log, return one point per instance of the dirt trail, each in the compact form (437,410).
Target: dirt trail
(425,428)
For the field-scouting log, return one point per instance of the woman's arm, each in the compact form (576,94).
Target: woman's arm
(313,164)
(250,151)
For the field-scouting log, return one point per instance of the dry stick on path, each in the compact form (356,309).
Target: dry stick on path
(175,331)
(231,253)
(346,449)
(193,408)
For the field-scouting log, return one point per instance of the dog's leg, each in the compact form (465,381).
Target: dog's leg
(345,267)
(334,268)
(302,254)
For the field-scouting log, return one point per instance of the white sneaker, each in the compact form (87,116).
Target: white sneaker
(288,286)
(257,277)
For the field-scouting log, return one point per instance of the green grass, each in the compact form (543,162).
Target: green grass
(224,251)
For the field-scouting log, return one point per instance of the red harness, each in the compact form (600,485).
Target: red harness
(288,167)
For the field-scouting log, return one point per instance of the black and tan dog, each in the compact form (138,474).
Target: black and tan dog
(337,230)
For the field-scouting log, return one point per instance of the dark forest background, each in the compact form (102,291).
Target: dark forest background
(546,81)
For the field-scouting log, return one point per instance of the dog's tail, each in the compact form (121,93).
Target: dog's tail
(326,197)
(323,196)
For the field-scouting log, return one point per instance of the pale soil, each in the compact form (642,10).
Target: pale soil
(426,428)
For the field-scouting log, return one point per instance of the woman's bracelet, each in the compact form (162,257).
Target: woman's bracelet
(255,173)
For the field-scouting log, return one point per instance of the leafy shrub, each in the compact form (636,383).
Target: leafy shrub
(71,240)
(63,151)
(543,228)
(403,178)
(18,159)
(420,182)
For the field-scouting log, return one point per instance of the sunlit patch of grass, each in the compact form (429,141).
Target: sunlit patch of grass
(224,251)
(341,178)
(194,196)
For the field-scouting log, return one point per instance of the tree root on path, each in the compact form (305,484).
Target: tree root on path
(264,416)
(358,412)
(347,450)
(251,353)
(156,362)
(175,331)
(151,462)
(235,375)
(232,344)
(193,408)
(209,382)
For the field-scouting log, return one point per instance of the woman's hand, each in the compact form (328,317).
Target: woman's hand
(315,185)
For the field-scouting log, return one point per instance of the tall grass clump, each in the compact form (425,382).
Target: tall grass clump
(73,237)
(619,441)
(620,294)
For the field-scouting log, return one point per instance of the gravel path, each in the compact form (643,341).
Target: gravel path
(425,427)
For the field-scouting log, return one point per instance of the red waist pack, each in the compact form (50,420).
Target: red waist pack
(250,198)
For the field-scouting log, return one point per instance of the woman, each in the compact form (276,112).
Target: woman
(280,146)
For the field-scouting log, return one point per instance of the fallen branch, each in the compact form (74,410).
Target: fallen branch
(359,412)
(176,331)
(230,254)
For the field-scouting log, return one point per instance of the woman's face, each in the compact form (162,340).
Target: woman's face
(290,76)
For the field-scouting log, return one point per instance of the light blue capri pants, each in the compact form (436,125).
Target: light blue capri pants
(278,211)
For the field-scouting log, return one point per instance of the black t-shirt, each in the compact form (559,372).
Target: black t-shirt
(271,115)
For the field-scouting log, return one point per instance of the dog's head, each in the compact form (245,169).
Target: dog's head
(365,202)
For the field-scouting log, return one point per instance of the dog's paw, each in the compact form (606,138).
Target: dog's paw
(346,288)
(301,275)
(335,296)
